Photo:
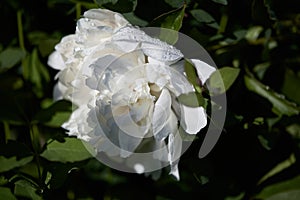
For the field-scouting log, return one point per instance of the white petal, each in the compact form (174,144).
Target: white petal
(107,17)
(193,119)
(59,91)
(56,61)
(174,171)
(204,70)
(174,147)
(161,115)
(128,144)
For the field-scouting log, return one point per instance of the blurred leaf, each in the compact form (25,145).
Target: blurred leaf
(191,75)
(204,17)
(121,6)
(260,69)
(71,150)
(192,99)
(238,197)
(56,114)
(288,189)
(280,105)
(10,82)
(133,19)
(36,73)
(222,79)
(3,180)
(289,87)
(7,164)
(253,33)
(26,189)
(16,106)
(44,41)
(294,130)
(223,2)
(176,3)
(279,167)
(270,9)
(10,57)
(6,194)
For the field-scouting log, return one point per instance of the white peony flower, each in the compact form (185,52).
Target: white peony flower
(125,84)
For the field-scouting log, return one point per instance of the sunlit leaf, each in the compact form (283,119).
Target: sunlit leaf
(71,150)
(280,105)
(288,189)
(10,57)
(24,188)
(222,79)
(6,194)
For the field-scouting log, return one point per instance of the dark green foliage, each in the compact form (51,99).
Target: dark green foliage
(254,43)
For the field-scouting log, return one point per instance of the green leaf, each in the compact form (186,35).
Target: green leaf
(26,189)
(223,2)
(7,164)
(253,33)
(176,3)
(191,99)
(171,20)
(222,79)
(133,19)
(191,75)
(280,105)
(121,6)
(204,17)
(14,154)
(290,83)
(279,167)
(288,189)
(10,57)
(6,194)
(56,114)
(170,23)
(36,73)
(72,150)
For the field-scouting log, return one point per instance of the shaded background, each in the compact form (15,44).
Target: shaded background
(257,156)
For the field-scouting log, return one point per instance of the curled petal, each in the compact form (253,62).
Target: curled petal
(193,119)
(204,70)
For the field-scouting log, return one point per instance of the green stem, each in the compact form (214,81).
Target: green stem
(223,23)
(78,10)
(20,30)
(6,131)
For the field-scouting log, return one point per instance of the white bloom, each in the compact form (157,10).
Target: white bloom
(125,84)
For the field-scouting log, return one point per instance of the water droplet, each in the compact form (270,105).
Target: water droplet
(267,88)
